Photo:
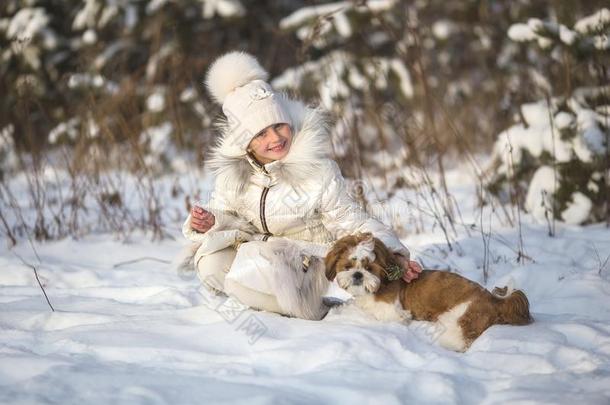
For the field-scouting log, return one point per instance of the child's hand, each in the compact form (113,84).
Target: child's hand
(201,220)
(412,268)
(412,272)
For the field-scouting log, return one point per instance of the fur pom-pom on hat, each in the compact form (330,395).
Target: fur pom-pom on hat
(232,70)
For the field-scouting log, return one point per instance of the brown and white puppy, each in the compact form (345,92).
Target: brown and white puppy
(461,308)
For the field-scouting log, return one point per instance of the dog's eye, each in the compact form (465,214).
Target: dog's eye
(353,258)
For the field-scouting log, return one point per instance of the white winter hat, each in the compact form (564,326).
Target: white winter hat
(238,82)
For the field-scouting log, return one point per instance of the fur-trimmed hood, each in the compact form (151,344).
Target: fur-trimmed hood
(309,149)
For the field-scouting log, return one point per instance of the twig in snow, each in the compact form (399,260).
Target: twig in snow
(515,200)
(602,266)
(486,236)
(140,260)
(9,234)
(547,211)
(37,279)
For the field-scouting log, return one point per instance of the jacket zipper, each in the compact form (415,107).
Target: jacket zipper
(262,210)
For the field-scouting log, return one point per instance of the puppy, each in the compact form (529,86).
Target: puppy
(461,309)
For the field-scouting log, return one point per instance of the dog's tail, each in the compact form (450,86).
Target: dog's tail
(184,261)
(513,306)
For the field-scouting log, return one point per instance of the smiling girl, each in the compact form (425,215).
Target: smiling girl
(274,179)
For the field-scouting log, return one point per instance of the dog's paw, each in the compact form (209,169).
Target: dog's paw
(332,301)
(405,317)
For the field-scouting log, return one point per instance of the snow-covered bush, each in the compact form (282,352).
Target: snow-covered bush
(350,83)
(409,81)
(73,69)
(99,98)
(556,159)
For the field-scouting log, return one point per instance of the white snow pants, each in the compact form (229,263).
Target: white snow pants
(212,270)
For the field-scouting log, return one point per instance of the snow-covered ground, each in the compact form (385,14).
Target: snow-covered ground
(136,332)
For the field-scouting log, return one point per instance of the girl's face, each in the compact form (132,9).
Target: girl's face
(272,143)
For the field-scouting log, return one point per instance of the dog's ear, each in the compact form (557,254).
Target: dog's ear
(380,271)
(362,236)
(384,261)
(368,241)
(383,256)
(331,259)
(329,263)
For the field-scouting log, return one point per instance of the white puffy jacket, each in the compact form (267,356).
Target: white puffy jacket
(301,197)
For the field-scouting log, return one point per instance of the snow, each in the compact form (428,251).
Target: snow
(155,5)
(404,78)
(538,201)
(342,24)
(8,154)
(109,12)
(304,14)
(521,33)
(69,128)
(90,37)
(189,94)
(109,53)
(131,16)
(129,331)
(593,22)
(536,114)
(378,5)
(155,102)
(538,137)
(566,35)
(88,80)
(356,79)
(327,16)
(27,23)
(4,23)
(578,209)
(564,120)
(541,136)
(317,33)
(443,29)
(155,59)
(536,24)
(534,29)
(544,42)
(592,134)
(93,130)
(87,16)
(159,137)
(601,42)
(224,8)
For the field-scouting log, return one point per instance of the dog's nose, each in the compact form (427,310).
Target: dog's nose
(357,275)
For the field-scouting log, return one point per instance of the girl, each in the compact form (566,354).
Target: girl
(274,179)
